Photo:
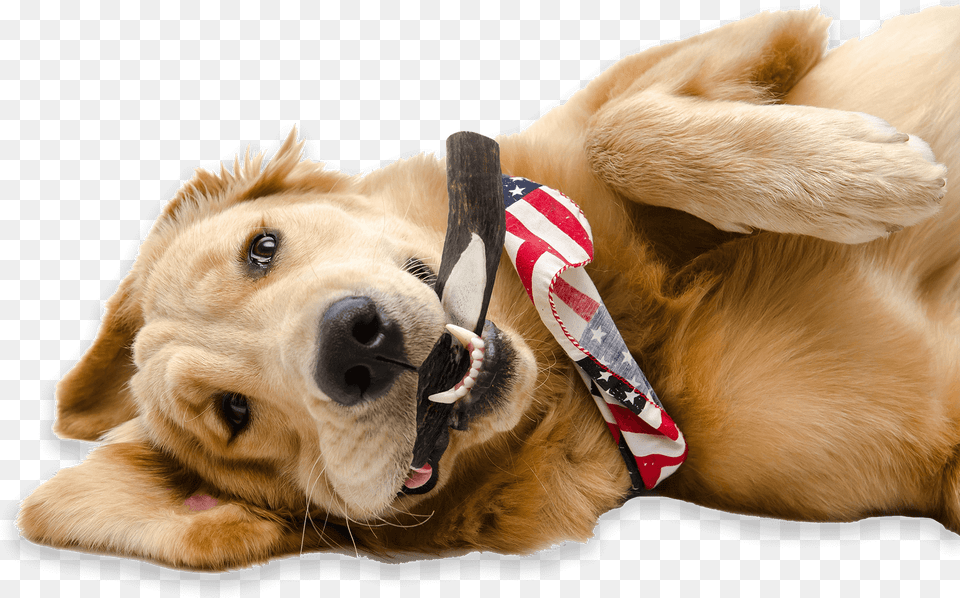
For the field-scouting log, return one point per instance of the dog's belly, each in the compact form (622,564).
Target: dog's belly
(813,385)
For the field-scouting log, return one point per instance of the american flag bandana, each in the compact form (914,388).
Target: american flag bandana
(549,240)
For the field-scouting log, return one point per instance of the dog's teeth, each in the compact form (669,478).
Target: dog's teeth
(475,345)
(447,397)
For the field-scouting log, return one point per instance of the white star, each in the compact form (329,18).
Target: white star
(516,178)
(598,334)
(605,376)
(517,191)
(626,356)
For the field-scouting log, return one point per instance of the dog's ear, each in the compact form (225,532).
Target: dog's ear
(94,396)
(130,499)
(758,59)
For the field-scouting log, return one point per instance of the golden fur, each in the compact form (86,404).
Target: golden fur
(742,221)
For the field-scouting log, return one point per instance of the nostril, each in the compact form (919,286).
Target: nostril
(357,377)
(366,332)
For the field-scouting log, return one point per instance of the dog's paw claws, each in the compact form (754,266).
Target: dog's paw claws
(893,181)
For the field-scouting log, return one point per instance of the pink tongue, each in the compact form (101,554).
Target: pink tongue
(420,477)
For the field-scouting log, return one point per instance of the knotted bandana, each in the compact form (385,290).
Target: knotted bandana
(549,240)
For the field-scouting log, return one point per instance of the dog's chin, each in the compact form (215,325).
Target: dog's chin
(493,405)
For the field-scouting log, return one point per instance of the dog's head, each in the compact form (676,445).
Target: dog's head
(258,367)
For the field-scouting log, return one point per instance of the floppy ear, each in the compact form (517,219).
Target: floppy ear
(94,396)
(758,59)
(129,499)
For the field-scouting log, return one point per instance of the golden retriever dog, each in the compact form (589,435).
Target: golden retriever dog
(783,264)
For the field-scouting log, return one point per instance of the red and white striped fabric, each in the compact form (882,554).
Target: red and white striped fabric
(549,240)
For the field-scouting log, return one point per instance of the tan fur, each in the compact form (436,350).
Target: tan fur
(812,378)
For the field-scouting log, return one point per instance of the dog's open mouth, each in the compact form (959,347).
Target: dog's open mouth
(474,378)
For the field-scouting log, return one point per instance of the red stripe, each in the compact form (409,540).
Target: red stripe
(529,252)
(582,304)
(561,217)
(650,466)
(668,428)
(615,431)
(631,422)
(628,421)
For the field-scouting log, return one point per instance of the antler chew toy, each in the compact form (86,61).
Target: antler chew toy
(468,267)
(475,229)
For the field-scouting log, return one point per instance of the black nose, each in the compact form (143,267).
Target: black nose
(361,351)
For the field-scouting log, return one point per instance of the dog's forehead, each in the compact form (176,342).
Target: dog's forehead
(203,260)
(300,217)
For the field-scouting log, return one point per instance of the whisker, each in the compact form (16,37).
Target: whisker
(352,540)
(408,513)
(421,270)
(200,414)
(310,488)
(386,523)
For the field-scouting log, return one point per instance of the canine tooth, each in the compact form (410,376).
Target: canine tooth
(462,334)
(447,397)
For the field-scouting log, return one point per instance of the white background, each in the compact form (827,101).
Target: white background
(106,108)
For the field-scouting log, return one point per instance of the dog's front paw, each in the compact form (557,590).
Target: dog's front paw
(842,176)
(883,180)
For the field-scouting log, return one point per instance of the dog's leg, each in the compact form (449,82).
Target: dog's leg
(838,175)
(697,126)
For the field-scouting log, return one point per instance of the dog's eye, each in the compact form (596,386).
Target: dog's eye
(235,411)
(421,271)
(262,249)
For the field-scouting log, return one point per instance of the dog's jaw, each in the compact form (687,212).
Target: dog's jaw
(487,370)
(503,391)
